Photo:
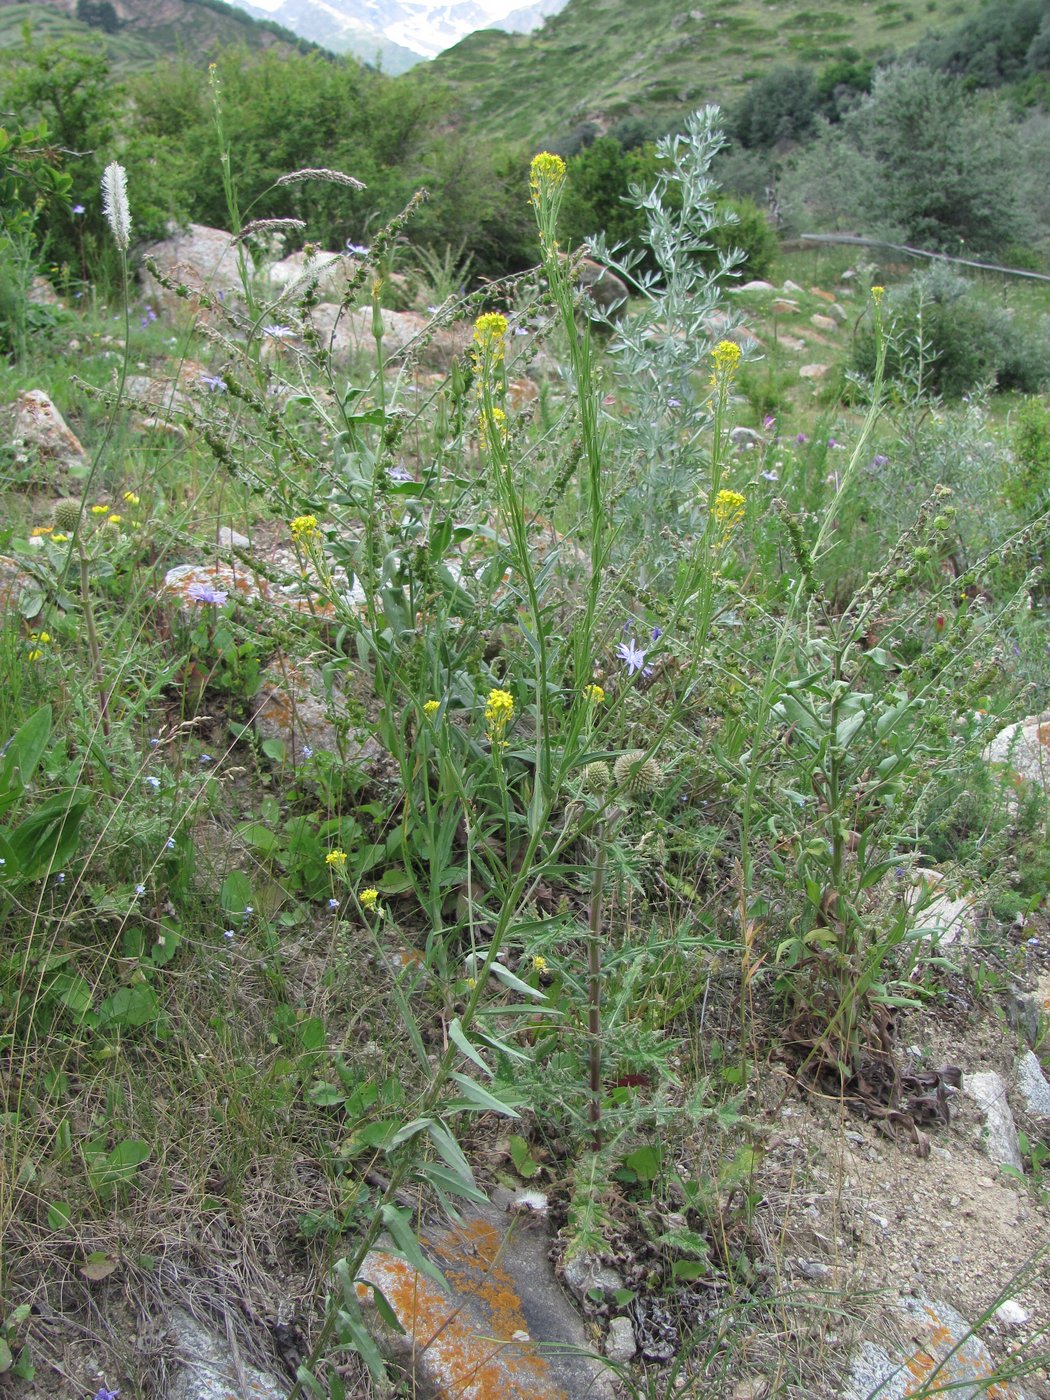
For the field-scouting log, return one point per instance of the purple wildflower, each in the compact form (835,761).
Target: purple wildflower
(674,403)
(201,592)
(152,782)
(277,332)
(333,903)
(359,250)
(801,439)
(140,889)
(631,656)
(878,461)
(656,633)
(770,475)
(399,473)
(78,209)
(213,383)
(104,1393)
(769,422)
(308,752)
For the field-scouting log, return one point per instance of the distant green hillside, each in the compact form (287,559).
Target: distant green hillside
(604,60)
(193,27)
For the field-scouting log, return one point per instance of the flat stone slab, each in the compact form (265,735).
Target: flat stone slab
(988,1091)
(1032,1085)
(210,1368)
(948,1359)
(505,1331)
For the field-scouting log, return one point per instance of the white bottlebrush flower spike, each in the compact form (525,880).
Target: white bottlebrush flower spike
(115,204)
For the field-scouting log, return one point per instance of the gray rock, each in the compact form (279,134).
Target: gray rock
(585,1275)
(1023,1013)
(41,435)
(202,259)
(1025,748)
(293,706)
(988,1091)
(1032,1085)
(504,1328)
(937,1353)
(620,1345)
(822,322)
(228,538)
(210,1367)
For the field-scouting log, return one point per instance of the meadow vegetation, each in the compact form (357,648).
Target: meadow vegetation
(637,737)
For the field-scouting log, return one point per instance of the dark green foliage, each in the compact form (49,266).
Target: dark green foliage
(1000,44)
(1028,480)
(944,341)
(99,14)
(776,109)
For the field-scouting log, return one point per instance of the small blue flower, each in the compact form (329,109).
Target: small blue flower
(140,889)
(399,473)
(358,249)
(104,1393)
(631,656)
(228,933)
(169,844)
(801,439)
(60,878)
(276,332)
(248,911)
(153,743)
(214,383)
(206,758)
(308,752)
(77,209)
(770,475)
(333,904)
(152,782)
(674,403)
(201,592)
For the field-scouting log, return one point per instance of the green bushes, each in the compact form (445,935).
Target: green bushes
(944,341)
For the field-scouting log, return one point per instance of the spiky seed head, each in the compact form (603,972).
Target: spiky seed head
(636,773)
(65,514)
(596,777)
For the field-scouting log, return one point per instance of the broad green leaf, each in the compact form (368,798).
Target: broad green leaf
(515,983)
(443,1179)
(645,1163)
(131,1006)
(23,753)
(236,892)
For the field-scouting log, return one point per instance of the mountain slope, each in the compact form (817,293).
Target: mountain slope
(135,33)
(602,60)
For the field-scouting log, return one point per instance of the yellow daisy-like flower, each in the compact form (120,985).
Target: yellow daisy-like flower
(304,529)
(336,859)
(34,655)
(595,694)
(547,171)
(40,636)
(39,530)
(729,510)
(59,539)
(725,357)
(131,498)
(431,708)
(100,510)
(114,519)
(539,963)
(368,899)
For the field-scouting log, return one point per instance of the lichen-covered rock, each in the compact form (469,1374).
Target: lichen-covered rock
(292,706)
(934,1351)
(203,260)
(999,1139)
(504,1331)
(40,435)
(1024,748)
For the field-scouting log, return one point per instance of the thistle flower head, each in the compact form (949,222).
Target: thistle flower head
(597,776)
(636,773)
(65,514)
(115,204)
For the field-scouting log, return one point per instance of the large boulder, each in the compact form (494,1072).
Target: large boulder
(203,260)
(41,437)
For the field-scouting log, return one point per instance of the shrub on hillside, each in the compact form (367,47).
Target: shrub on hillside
(944,341)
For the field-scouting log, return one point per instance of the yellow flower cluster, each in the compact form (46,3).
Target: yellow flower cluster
(131,498)
(729,510)
(877,293)
(489,330)
(499,711)
(304,529)
(724,358)
(431,708)
(494,424)
(37,642)
(100,510)
(336,859)
(595,694)
(547,171)
(368,899)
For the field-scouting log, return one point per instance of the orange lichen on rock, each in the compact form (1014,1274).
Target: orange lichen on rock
(953,1362)
(475,1342)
